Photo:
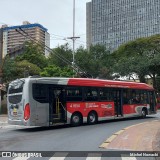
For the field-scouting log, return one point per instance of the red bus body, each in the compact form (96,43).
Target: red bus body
(106,109)
(78,100)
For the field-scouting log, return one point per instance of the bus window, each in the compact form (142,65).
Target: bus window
(74,94)
(144,97)
(106,94)
(137,96)
(91,94)
(125,98)
(41,93)
(15,88)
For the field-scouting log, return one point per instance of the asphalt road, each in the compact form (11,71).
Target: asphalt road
(64,138)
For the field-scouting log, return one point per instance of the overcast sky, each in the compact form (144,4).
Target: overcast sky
(55,15)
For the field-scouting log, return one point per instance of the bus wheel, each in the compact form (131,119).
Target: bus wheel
(76,119)
(144,113)
(92,118)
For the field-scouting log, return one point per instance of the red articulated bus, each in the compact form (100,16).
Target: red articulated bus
(48,101)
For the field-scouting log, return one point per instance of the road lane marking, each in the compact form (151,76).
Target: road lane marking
(59,156)
(94,156)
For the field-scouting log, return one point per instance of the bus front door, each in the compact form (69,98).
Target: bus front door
(152,101)
(57,106)
(118,103)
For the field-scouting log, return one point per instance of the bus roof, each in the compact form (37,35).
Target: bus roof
(94,82)
(108,83)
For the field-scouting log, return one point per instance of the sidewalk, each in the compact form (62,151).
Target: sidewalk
(3,118)
(141,137)
(4,123)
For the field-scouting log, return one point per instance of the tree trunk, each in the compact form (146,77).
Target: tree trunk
(154,82)
(142,78)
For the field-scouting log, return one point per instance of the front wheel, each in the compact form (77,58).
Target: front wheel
(92,118)
(76,119)
(144,113)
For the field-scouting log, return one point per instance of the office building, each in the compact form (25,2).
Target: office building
(115,22)
(13,40)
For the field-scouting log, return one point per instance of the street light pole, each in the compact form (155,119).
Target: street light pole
(73,38)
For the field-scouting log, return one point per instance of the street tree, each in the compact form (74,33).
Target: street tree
(61,56)
(8,70)
(140,57)
(33,53)
(55,71)
(97,61)
(25,69)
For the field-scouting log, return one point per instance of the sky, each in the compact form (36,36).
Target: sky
(55,15)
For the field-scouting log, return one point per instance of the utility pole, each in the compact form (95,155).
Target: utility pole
(73,38)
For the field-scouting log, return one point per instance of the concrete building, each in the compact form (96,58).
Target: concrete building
(115,22)
(13,41)
(1,45)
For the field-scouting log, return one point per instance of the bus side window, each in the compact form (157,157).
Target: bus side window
(74,94)
(125,98)
(91,94)
(40,92)
(106,94)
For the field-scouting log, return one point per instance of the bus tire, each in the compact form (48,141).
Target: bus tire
(76,119)
(144,113)
(92,118)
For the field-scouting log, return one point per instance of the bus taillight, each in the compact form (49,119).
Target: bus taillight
(27,112)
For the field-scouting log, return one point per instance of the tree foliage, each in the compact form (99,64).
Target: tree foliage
(33,53)
(25,69)
(55,71)
(8,70)
(96,61)
(61,56)
(140,57)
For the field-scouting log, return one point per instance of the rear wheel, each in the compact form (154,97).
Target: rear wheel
(76,119)
(92,118)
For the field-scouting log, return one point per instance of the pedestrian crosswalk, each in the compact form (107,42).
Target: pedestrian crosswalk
(94,156)
(129,158)
(90,156)
(72,155)
(56,156)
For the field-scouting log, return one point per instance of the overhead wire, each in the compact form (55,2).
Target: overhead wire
(75,67)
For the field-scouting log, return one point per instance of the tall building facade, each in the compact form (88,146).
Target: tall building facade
(13,41)
(115,22)
(89,24)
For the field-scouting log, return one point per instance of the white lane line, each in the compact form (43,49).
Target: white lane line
(128,158)
(94,156)
(59,156)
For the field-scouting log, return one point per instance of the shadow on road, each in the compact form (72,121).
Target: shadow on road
(37,129)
